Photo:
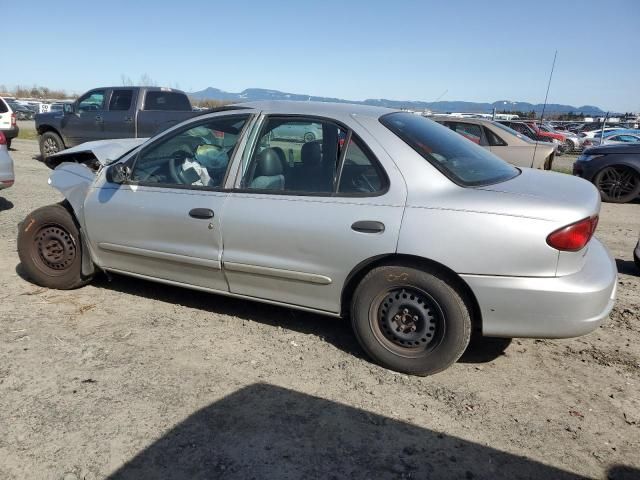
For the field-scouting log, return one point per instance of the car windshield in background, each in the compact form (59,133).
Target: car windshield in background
(513,132)
(459,159)
(159,100)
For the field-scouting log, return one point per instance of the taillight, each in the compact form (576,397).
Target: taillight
(3,139)
(573,237)
(13,119)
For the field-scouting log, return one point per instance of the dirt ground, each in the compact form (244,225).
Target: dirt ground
(131,380)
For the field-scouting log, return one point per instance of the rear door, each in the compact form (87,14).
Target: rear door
(118,119)
(307,211)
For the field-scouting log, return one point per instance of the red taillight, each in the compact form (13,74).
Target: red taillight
(573,237)
(3,139)
(13,119)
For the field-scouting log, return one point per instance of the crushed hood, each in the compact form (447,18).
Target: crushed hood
(104,150)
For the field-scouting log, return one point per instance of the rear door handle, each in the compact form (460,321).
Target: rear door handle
(368,226)
(98,119)
(201,213)
(128,119)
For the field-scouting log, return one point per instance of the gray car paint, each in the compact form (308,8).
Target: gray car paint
(299,250)
(6,167)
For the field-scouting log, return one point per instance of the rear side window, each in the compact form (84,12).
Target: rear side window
(360,174)
(120,100)
(460,160)
(3,106)
(159,100)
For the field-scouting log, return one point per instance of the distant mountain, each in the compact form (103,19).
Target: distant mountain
(258,94)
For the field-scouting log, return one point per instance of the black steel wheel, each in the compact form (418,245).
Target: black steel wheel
(50,249)
(50,143)
(618,184)
(411,320)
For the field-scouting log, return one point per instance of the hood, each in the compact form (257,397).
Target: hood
(611,148)
(103,150)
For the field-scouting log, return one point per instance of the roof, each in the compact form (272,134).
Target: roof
(316,108)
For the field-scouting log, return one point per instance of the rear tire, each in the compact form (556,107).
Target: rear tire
(50,248)
(50,143)
(9,144)
(618,184)
(410,320)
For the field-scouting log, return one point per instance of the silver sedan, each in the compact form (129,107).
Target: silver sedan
(6,164)
(415,234)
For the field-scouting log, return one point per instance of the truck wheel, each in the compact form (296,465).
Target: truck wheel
(50,143)
(50,250)
(410,320)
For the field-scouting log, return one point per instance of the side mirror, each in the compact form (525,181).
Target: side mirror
(68,108)
(118,173)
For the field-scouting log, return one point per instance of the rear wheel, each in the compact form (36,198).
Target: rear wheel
(618,184)
(50,250)
(410,320)
(50,143)
(9,144)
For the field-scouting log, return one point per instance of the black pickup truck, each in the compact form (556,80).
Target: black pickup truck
(112,112)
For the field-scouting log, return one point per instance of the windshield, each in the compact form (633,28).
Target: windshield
(522,137)
(459,159)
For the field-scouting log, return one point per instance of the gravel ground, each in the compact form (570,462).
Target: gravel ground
(130,379)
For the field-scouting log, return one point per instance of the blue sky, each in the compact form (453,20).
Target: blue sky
(475,50)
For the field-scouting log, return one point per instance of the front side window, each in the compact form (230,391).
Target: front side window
(162,100)
(458,159)
(120,100)
(92,101)
(198,156)
(295,155)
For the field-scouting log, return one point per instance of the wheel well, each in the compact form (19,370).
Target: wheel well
(48,128)
(88,267)
(359,272)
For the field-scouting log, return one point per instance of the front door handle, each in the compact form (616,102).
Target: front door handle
(201,213)
(368,226)
(98,119)
(128,119)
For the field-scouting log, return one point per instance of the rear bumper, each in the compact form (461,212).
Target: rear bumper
(10,133)
(556,307)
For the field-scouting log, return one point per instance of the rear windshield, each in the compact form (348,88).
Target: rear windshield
(459,159)
(159,100)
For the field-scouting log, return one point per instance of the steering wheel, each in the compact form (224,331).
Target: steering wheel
(175,163)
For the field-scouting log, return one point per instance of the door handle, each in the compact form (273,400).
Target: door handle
(98,119)
(128,119)
(201,213)
(368,226)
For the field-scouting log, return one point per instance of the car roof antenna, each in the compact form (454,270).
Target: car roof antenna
(544,106)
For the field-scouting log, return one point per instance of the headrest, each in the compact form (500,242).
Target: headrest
(311,154)
(269,164)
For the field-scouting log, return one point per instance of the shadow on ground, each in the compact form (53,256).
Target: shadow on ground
(263,431)
(5,204)
(628,267)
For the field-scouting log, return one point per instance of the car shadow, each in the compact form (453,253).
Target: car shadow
(336,331)
(628,267)
(264,431)
(5,204)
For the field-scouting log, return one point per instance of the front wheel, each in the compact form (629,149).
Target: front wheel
(50,250)
(50,143)
(410,320)
(618,184)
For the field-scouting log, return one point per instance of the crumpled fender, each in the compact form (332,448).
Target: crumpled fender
(73,180)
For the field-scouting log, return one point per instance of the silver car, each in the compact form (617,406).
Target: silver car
(6,164)
(417,235)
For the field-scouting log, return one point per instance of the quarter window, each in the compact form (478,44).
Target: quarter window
(161,100)
(196,157)
(92,101)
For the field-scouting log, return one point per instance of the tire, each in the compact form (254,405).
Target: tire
(618,184)
(50,249)
(9,144)
(50,143)
(309,137)
(409,320)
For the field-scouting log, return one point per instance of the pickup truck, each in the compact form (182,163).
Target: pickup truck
(111,113)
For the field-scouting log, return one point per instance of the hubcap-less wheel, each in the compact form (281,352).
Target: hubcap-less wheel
(54,249)
(408,321)
(51,146)
(619,184)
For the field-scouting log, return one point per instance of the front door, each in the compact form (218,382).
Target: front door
(165,223)
(308,210)
(86,123)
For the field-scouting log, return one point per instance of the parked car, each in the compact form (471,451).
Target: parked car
(614,138)
(508,144)
(527,130)
(597,131)
(6,164)
(572,141)
(22,112)
(111,112)
(416,234)
(545,132)
(614,169)
(8,126)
